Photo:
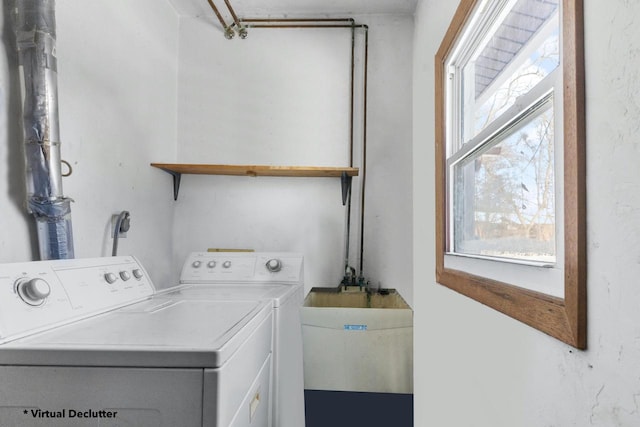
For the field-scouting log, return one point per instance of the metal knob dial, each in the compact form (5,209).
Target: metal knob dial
(274,265)
(33,291)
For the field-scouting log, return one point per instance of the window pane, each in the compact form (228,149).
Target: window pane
(523,48)
(503,195)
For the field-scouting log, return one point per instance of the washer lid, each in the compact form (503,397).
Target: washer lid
(160,332)
(278,293)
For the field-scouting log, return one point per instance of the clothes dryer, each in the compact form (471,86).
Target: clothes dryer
(257,276)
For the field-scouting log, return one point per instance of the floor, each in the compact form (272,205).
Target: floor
(353,409)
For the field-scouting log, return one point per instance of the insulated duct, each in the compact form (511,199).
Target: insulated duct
(35,30)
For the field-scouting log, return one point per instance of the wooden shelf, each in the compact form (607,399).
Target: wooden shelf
(177,169)
(255,170)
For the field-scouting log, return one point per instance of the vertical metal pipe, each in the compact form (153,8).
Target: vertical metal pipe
(351,138)
(35,29)
(351,112)
(364,150)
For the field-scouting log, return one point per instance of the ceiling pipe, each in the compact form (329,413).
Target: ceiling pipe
(242,30)
(350,274)
(228,31)
(35,30)
(330,23)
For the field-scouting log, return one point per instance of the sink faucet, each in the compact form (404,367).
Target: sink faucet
(352,279)
(349,278)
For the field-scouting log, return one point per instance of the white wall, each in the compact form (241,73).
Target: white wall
(117,66)
(281,97)
(476,367)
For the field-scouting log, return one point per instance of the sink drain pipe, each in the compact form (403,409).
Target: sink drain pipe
(35,29)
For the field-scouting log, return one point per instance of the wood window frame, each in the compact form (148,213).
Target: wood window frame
(562,318)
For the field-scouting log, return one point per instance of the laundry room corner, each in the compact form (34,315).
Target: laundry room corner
(281,97)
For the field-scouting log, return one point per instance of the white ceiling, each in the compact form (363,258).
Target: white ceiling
(295,8)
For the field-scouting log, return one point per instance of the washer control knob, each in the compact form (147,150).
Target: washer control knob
(196,264)
(125,276)
(110,278)
(274,265)
(137,273)
(226,264)
(211,264)
(33,291)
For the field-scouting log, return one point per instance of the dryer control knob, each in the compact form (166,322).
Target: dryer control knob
(226,264)
(137,273)
(110,278)
(196,264)
(211,264)
(33,291)
(125,275)
(274,265)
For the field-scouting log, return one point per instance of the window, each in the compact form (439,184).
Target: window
(510,161)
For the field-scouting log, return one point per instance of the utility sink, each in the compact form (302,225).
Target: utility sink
(357,341)
(329,297)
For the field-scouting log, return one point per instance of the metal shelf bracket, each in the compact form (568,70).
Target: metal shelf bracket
(177,176)
(345,181)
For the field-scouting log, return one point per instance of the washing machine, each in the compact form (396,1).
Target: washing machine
(274,276)
(90,342)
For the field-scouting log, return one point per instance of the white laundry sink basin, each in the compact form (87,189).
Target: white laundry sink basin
(356,341)
(328,297)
